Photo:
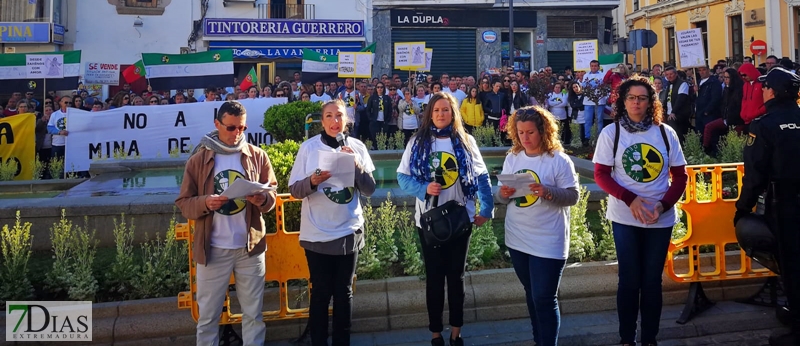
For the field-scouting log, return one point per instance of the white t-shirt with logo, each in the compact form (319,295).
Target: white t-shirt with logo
(349,99)
(444,170)
(59,120)
(330,212)
(535,226)
(593,79)
(229,226)
(380,109)
(324,98)
(682,89)
(421,102)
(642,167)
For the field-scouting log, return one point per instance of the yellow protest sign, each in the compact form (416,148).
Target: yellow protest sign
(18,143)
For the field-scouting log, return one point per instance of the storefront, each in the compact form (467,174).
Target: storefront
(31,37)
(467,41)
(275,46)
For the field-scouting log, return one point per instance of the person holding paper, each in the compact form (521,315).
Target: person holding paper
(229,233)
(633,162)
(539,249)
(331,222)
(443,160)
(410,112)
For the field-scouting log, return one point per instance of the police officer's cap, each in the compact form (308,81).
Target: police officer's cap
(781,81)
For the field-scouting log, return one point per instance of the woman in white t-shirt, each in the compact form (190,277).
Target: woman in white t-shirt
(409,118)
(421,98)
(539,249)
(557,103)
(443,160)
(634,160)
(331,223)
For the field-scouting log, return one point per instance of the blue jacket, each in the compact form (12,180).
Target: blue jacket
(709,99)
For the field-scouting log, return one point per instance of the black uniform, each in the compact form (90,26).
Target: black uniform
(771,164)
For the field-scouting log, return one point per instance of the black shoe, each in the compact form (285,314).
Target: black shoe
(437,341)
(458,341)
(784,316)
(784,337)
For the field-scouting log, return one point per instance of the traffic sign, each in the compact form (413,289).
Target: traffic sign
(758,47)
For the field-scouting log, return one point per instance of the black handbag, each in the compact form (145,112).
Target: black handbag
(445,223)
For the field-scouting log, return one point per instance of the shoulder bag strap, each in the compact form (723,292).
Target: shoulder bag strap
(616,143)
(666,139)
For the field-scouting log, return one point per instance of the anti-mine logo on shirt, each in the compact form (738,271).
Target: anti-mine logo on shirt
(642,162)
(221,182)
(444,168)
(61,124)
(342,196)
(529,199)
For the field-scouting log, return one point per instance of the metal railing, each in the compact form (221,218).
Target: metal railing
(287,11)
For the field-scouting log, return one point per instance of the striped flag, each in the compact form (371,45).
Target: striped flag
(189,71)
(319,67)
(13,74)
(610,61)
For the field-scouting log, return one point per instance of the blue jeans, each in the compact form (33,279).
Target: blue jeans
(597,118)
(641,253)
(541,278)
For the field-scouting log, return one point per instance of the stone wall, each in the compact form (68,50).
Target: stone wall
(489,54)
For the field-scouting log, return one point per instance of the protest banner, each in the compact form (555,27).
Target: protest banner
(690,48)
(584,52)
(355,65)
(409,55)
(151,131)
(428,59)
(18,143)
(101,73)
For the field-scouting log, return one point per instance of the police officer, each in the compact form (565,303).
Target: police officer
(771,165)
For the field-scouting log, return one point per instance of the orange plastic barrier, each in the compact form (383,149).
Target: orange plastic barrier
(285,259)
(710,222)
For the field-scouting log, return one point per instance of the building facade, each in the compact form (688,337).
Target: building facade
(471,36)
(266,34)
(31,26)
(728,26)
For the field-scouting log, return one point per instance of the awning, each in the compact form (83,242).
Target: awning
(284,50)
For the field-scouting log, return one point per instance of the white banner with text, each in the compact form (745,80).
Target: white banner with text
(152,131)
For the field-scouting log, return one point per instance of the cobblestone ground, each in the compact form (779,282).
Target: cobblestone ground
(726,323)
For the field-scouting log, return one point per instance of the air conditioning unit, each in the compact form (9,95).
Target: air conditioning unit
(10,50)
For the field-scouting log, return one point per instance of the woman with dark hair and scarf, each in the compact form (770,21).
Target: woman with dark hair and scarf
(443,160)
(731,111)
(633,162)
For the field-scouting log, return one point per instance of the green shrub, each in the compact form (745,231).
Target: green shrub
(382,140)
(487,136)
(576,136)
(483,246)
(282,156)
(16,250)
(581,241)
(693,150)
(606,249)
(287,121)
(679,229)
(731,147)
(369,266)
(409,244)
(165,266)
(61,233)
(398,141)
(8,169)
(56,167)
(120,279)
(38,168)
(82,284)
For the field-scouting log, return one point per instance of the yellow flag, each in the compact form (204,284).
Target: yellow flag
(18,143)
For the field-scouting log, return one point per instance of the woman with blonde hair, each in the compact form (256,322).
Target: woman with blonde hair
(443,160)
(539,249)
(331,223)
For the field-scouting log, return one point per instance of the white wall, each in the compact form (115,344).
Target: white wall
(105,36)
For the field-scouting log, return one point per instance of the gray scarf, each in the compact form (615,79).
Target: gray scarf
(211,142)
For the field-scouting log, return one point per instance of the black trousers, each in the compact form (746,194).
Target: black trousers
(785,223)
(566,131)
(331,276)
(445,262)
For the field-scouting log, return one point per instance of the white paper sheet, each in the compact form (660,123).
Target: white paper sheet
(341,165)
(520,182)
(243,187)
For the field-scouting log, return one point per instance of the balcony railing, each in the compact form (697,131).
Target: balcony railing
(287,11)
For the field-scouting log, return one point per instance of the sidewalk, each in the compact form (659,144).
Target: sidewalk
(726,323)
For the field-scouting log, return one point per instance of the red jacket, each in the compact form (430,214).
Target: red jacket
(752,97)
(614,80)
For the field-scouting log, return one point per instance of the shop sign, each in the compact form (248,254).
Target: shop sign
(24,32)
(283,28)
(489,36)
(756,17)
(461,18)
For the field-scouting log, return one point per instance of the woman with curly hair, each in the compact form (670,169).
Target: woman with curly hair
(539,250)
(633,162)
(443,160)
(121,99)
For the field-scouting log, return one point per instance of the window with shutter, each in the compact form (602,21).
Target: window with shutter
(571,27)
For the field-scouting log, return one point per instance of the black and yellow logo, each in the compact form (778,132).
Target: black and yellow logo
(61,123)
(217,57)
(751,139)
(444,168)
(31,85)
(530,199)
(642,162)
(342,196)
(221,182)
(165,59)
